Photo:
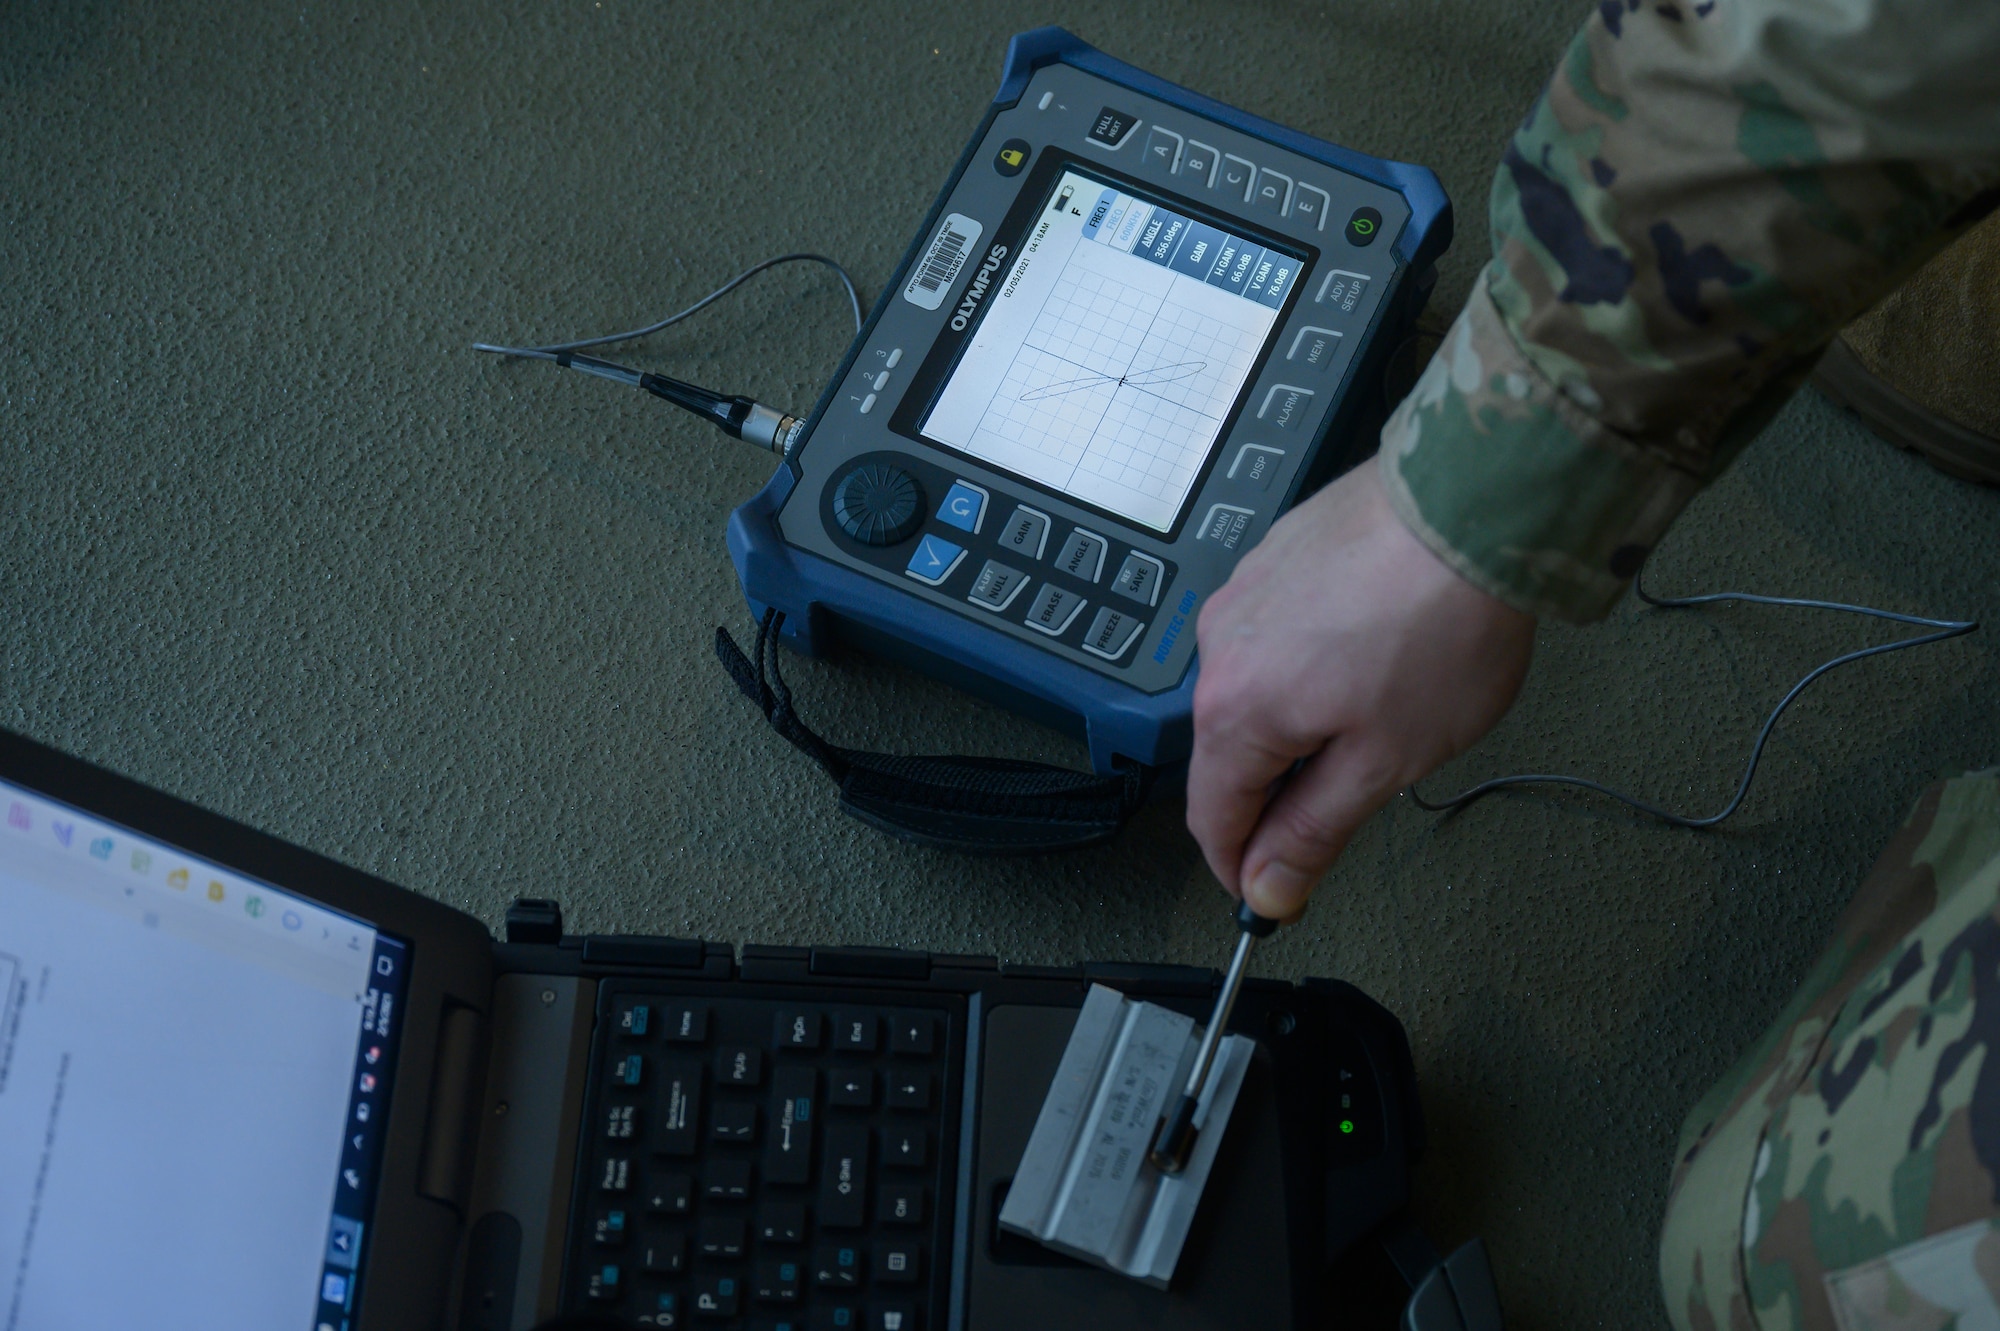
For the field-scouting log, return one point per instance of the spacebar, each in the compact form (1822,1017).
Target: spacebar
(843,1185)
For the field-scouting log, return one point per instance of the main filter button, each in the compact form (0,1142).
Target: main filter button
(878,504)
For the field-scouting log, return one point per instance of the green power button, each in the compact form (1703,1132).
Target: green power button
(1361,227)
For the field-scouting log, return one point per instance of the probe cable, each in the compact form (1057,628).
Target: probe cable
(737,416)
(1941,629)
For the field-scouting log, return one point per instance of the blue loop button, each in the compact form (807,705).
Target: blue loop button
(964,505)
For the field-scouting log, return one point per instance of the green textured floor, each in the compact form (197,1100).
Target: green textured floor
(275,541)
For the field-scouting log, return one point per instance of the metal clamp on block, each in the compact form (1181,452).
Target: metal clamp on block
(1084,1186)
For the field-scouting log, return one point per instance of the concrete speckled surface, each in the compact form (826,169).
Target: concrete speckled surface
(275,541)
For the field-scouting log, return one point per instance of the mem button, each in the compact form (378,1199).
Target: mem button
(1163,149)
(934,560)
(964,507)
(1315,347)
(996,586)
(1111,633)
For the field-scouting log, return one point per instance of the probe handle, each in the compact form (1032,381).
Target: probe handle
(1250,922)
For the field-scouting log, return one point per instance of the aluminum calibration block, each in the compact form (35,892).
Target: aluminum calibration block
(1083,1186)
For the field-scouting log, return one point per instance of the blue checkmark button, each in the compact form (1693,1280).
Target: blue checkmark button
(934,560)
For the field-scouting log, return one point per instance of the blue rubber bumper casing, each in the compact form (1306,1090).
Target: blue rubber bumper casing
(824,604)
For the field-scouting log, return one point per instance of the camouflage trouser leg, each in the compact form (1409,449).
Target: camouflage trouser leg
(1843,1175)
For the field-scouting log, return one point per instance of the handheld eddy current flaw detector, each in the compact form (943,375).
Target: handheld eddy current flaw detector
(1136,327)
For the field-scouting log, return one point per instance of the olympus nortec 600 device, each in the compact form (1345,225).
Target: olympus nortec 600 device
(1135,328)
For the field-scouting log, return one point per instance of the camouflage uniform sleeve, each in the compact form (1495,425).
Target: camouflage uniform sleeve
(1703,196)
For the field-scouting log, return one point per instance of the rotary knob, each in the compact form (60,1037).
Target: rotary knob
(878,504)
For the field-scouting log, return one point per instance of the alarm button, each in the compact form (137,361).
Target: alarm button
(878,504)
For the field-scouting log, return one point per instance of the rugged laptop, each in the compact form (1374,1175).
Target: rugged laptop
(243,1086)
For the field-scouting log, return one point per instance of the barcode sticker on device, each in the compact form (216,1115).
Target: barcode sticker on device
(943,261)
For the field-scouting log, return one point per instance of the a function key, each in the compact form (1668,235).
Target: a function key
(912,1033)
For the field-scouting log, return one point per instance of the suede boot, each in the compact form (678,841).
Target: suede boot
(1922,369)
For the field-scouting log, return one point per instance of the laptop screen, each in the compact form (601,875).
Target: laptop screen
(194,1079)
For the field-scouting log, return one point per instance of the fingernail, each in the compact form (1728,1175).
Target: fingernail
(1278,889)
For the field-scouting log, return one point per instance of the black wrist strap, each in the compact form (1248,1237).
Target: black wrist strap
(979,806)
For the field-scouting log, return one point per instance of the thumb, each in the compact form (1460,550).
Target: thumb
(1306,827)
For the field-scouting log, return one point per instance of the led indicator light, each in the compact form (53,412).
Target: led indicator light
(1347,1125)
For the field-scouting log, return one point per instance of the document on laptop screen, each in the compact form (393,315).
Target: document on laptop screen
(194,1071)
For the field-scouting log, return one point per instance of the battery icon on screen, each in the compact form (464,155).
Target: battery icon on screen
(1062,199)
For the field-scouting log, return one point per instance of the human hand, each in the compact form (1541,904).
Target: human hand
(1343,641)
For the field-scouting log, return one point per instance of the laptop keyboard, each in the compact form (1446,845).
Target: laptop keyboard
(764,1164)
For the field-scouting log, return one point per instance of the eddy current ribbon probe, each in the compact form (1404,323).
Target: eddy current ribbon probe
(1175,1136)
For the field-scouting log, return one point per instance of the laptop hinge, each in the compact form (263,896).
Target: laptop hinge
(446,1172)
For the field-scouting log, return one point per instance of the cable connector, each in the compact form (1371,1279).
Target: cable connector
(738,417)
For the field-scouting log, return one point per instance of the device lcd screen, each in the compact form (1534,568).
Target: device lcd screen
(194,1077)
(1113,351)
